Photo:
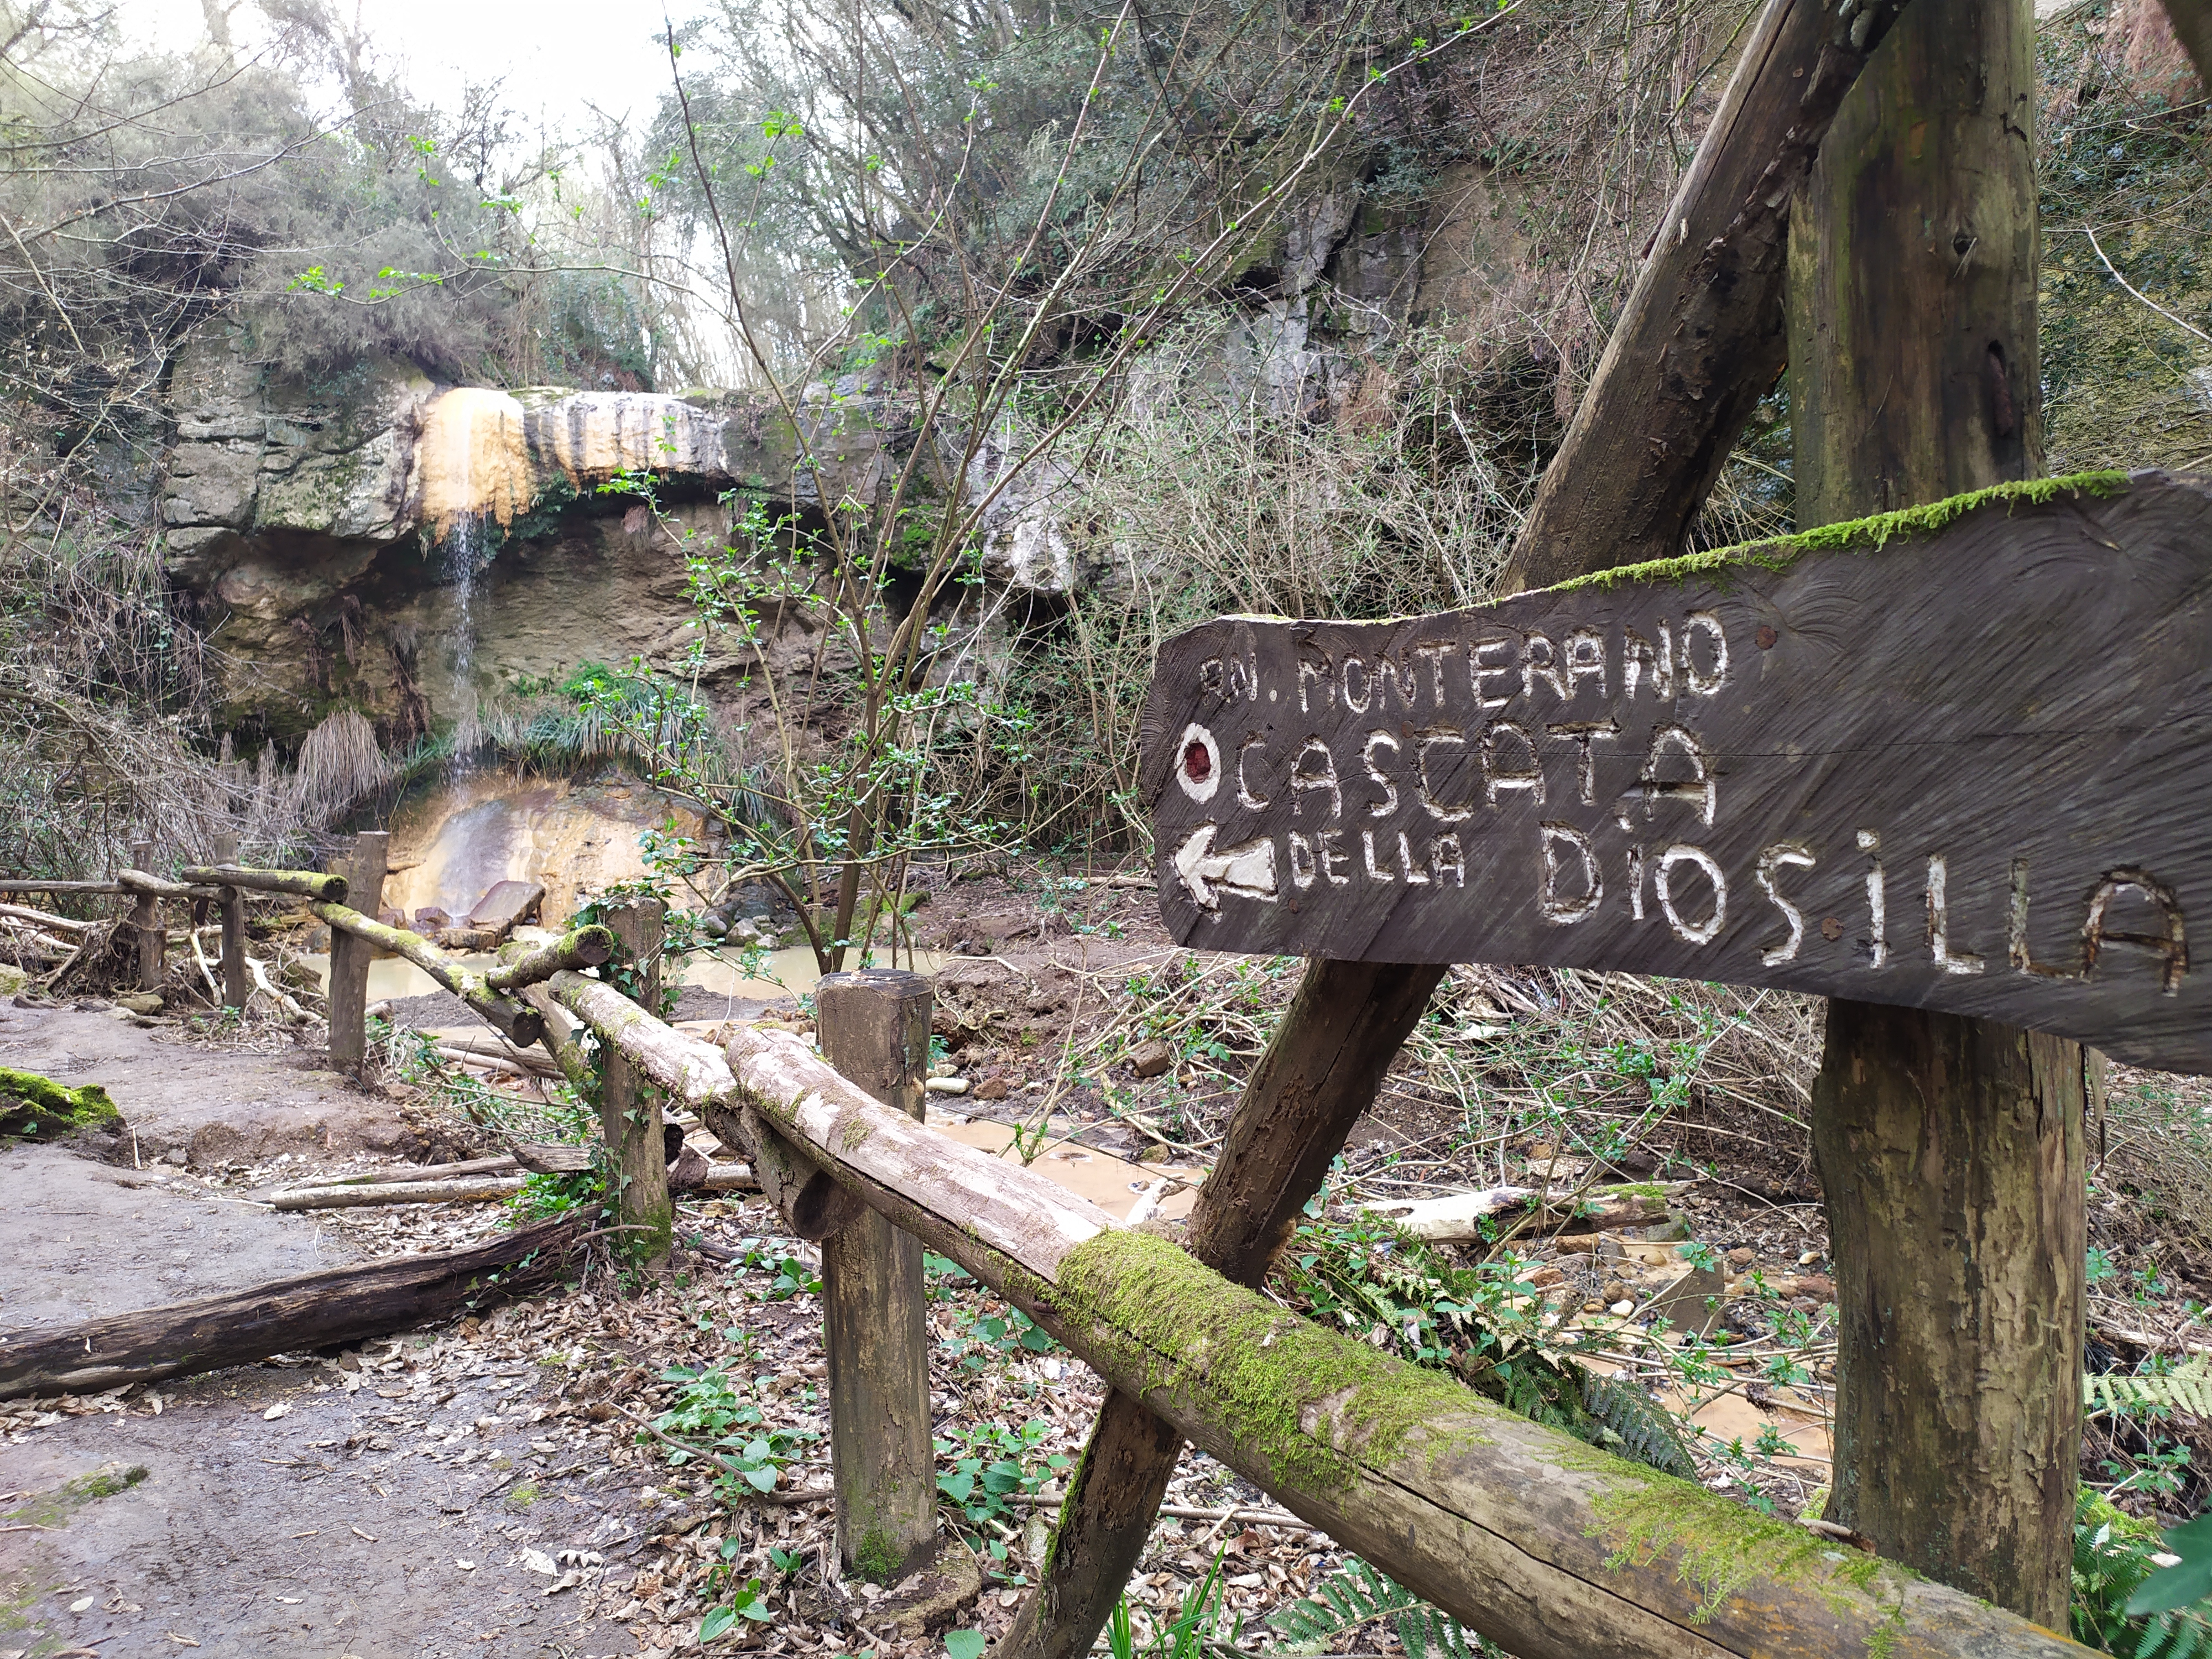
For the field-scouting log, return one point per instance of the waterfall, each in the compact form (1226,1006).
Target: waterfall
(473,464)
(465,553)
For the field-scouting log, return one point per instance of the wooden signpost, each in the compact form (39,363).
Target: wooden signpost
(1959,763)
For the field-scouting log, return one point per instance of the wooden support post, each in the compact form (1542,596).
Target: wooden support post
(1700,341)
(1321,1069)
(2192,26)
(351,955)
(1949,1148)
(874,1027)
(237,981)
(146,920)
(629,1107)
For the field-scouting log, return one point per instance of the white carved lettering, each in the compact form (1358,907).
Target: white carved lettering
(1784,855)
(1303,781)
(1388,804)
(1662,883)
(1939,923)
(1567,907)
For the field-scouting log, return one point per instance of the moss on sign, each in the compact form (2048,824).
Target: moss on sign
(1869,534)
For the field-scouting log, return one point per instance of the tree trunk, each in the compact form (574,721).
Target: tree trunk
(1701,340)
(1949,1149)
(339,1304)
(2192,26)
(1959,1240)
(1321,1069)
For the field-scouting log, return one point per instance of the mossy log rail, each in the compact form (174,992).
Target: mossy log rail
(304,884)
(583,947)
(691,1072)
(522,1025)
(140,881)
(1543,1544)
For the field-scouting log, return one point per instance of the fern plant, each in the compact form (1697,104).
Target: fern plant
(2113,1554)
(2186,1387)
(1357,1595)
(1370,1274)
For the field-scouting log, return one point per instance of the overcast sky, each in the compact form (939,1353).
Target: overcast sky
(555,57)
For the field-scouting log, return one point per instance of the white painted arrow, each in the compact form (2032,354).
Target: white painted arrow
(1248,871)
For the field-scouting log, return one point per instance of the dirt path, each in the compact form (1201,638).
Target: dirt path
(331,1528)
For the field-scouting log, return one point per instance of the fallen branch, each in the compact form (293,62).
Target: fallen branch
(474,1189)
(284,999)
(492,1063)
(314,1310)
(24,935)
(417,1173)
(42,919)
(492,1045)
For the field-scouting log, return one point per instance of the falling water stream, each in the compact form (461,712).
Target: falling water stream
(463,560)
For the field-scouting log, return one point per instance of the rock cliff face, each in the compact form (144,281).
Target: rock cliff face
(410,549)
(407,548)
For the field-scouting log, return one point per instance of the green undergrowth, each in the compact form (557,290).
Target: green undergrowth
(1367,1277)
(35,1108)
(1870,533)
(2113,1553)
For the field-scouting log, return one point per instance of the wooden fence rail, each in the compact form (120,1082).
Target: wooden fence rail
(1545,1545)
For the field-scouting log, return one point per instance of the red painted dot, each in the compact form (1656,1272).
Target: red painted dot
(1197,761)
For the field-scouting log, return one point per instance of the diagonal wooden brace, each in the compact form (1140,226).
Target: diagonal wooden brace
(1321,1069)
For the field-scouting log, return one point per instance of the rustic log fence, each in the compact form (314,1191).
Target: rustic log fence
(1537,1540)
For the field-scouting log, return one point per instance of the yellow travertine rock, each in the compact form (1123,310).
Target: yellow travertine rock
(472,459)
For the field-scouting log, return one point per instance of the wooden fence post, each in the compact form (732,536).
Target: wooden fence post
(237,981)
(874,1031)
(629,1108)
(350,957)
(146,919)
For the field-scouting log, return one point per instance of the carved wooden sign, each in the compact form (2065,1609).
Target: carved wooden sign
(1967,768)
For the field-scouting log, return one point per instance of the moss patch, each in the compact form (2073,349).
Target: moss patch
(1720,1547)
(1869,534)
(1172,1318)
(1266,1372)
(37,1107)
(53,1509)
